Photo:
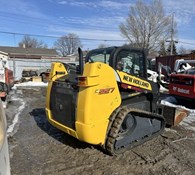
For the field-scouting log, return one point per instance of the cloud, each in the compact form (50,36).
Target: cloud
(91,38)
(88,33)
(107,14)
(184,12)
(114,5)
(21,7)
(62,2)
(108,5)
(107,23)
(83,4)
(77,3)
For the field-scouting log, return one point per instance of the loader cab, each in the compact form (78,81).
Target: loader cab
(126,59)
(100,55)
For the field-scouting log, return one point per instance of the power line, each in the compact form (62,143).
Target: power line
(22,34)
(57,37)
(86,39)
(186,43)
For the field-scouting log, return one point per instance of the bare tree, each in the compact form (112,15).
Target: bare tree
(146,25)
(103,45)
(162,51)
(68,44)
(30,42)
(182,50)
(174,49)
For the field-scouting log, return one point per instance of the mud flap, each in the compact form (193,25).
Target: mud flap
(173,116)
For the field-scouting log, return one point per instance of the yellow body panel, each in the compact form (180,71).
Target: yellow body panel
(56,66)
(95,103)
(59,125)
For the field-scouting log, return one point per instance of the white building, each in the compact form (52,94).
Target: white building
(31,58)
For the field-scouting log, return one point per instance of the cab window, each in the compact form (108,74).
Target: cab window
(100,55)
(131,62)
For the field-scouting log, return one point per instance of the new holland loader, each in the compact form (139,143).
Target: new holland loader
(108,100)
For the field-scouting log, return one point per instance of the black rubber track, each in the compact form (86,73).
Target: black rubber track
(116,121)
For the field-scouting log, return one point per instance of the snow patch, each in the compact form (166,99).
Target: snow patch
(10,129)
(16,117)
(163,89)
(177,106)
(30,84)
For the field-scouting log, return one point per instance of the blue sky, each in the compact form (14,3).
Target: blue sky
(89,19)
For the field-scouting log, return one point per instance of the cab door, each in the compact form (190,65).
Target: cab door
(130,60)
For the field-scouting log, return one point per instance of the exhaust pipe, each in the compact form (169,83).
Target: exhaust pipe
(81,65)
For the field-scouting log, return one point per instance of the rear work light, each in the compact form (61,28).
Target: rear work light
(88,80)
(82,81)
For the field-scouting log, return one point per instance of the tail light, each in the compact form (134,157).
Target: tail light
(82,81)
(88,80)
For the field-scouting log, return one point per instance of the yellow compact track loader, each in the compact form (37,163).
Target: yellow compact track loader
(108,101)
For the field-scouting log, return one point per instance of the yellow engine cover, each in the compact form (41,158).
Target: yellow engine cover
(96,102)
(98,97)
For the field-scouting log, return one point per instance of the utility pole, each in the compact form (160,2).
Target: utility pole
(172,41)
(172,30)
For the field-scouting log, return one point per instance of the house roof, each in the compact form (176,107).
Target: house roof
(28,52)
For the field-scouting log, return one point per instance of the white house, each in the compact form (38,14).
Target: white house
(30,58)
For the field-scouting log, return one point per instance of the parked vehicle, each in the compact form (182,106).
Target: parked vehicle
(4,154)
(182,80)
(44,73)
(108,101)
(6,79)
(28,74)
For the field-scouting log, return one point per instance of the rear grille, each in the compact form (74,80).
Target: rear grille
(63,103)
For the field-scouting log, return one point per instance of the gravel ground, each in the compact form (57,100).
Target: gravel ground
(36,147)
